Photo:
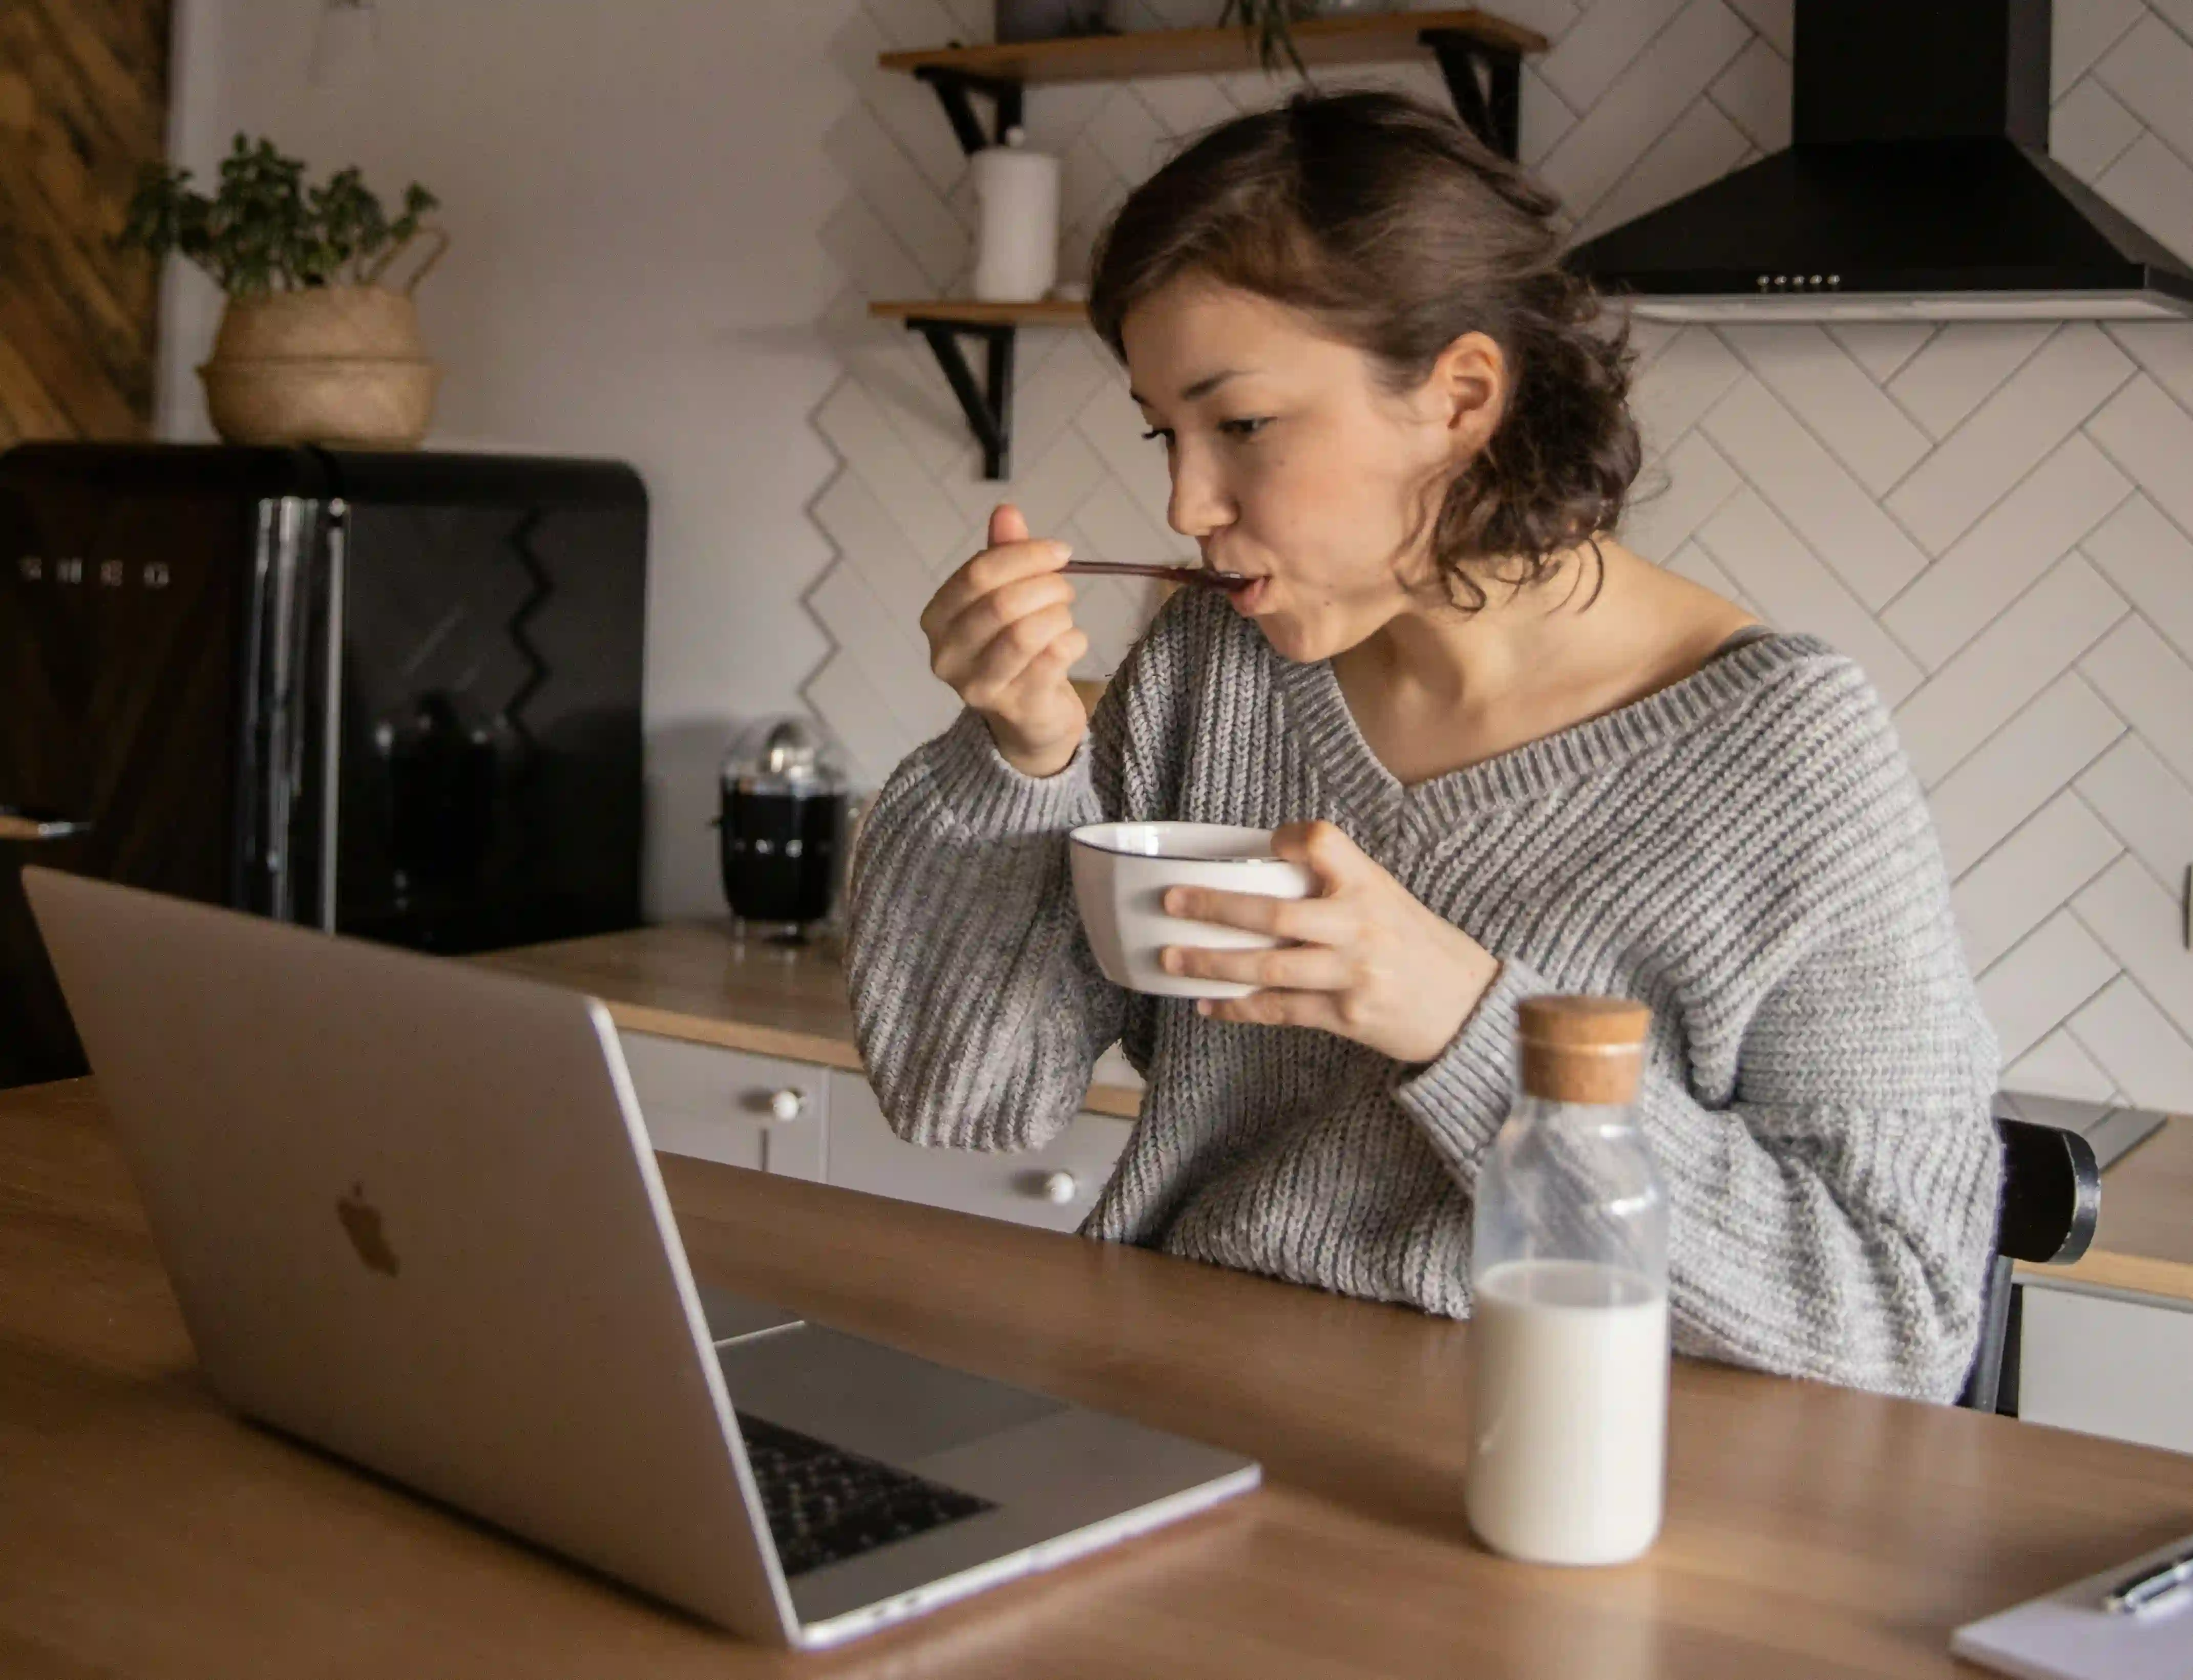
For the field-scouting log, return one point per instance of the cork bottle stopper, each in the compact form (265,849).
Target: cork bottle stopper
(1582,1050)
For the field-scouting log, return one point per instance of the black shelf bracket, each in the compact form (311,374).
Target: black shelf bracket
(1494,110)
(988,406)
(954,87)
(1486,82)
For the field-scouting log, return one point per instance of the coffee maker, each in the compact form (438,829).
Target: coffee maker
(782,828)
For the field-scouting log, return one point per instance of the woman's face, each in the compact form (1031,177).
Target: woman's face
(1290,462)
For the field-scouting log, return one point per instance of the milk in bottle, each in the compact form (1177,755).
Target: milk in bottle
(1569,1352)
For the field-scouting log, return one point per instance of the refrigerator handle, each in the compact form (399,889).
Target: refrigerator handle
(275,707)
(335,547)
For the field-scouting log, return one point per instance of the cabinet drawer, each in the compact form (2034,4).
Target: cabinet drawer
(2107,1364)
(727,1105)
(866,1154)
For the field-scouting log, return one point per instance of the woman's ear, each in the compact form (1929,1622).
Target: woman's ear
(1470,382)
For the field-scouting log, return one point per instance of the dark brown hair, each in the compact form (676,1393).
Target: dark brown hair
(1392,228)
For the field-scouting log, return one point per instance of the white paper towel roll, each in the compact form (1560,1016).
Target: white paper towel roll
(1017,252)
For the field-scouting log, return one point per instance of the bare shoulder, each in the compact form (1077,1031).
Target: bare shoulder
(1681,624)
(1702,614)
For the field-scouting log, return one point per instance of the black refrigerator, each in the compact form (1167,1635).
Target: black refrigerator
(391,695)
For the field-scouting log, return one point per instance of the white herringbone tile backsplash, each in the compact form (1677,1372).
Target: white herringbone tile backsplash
(1996,520)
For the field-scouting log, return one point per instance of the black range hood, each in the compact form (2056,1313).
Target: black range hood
(1918,186)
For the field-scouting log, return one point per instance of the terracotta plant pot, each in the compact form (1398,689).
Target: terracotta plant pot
(330,364)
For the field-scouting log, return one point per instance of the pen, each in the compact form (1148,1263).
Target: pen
(2166,1582)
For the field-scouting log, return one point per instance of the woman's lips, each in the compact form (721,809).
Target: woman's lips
(1247,601)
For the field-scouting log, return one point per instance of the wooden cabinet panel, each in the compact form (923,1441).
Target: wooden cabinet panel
(84,98)
(728,1106)
(866,1154)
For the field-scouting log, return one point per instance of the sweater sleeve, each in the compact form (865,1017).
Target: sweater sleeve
(1836,1219)
(1834,1216)
(977,1005)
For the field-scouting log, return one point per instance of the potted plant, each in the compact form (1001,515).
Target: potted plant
(1051,20)
(1269,25)
(315,346)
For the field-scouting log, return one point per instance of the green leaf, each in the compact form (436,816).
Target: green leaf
(265,228)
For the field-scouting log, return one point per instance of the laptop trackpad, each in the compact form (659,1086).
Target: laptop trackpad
(868,1398)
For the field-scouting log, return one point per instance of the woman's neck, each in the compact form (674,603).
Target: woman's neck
(1445,658)
(1440,688)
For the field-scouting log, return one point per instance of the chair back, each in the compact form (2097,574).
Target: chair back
(2052,1202)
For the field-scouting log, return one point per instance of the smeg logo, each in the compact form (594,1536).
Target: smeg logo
(69,570)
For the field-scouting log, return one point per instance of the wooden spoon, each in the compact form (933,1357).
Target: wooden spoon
(14,825)
(1229,581)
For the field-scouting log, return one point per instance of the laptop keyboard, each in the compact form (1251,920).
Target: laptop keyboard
(826,1505)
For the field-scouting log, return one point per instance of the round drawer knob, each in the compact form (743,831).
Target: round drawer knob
(1059,1188)
(786,1104)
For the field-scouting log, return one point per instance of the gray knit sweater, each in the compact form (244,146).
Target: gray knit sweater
(1746,851)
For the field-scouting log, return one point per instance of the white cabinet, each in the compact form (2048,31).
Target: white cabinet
(814,1123)
(727,1105)
(1052,1187)
(2111,1364)
(1113,1068)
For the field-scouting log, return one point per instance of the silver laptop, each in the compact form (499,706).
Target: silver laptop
(410,1213)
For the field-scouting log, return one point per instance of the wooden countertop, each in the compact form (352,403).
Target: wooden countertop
(692,980)
(1810,1530)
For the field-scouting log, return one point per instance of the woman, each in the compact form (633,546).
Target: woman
(1517,757)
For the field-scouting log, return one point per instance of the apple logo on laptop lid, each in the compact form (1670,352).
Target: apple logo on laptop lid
(362,1220)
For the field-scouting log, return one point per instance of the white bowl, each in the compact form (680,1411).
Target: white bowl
(1121,870)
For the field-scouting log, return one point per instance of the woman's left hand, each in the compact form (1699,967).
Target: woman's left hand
(1370,963)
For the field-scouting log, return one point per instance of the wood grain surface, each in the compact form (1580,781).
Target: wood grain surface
(1043,313)
(1372,39)
(83,97)
(1811,1530)
(692,980)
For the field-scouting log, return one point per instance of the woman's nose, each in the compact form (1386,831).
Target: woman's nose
(1199,503)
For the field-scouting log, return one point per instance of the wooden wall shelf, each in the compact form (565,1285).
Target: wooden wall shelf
(1379,38)
(966,312)
(1481,56)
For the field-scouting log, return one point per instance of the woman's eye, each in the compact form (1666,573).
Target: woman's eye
(1232,428)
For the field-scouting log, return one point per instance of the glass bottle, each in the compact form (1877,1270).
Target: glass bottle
(1569,1271)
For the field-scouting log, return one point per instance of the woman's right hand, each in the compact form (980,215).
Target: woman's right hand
(1001,633)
